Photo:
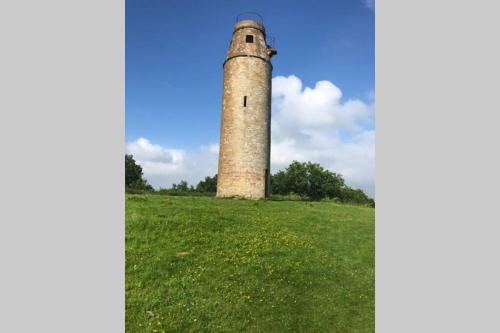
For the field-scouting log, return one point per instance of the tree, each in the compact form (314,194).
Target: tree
(279,184)
(307,180)
(208,185)
(357,196)
(333,184)
(181,187)
(312,181)
(296,178)
(133,171)
(133,175)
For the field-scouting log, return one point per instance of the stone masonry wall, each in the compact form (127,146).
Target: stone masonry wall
(244,155)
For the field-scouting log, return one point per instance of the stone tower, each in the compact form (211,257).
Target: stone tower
(245,136)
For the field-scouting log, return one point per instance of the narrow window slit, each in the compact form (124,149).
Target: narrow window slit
(244,101)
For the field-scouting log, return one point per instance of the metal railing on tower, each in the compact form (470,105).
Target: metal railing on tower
(252,16)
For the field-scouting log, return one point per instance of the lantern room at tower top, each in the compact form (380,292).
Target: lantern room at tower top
(251,20)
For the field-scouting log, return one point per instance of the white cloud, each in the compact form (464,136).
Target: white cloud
(308,124)
(314,124)
(163,166)
(143,150)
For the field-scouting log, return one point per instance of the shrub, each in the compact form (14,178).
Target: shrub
(286,197)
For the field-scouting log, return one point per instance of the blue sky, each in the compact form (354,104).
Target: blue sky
(174,55)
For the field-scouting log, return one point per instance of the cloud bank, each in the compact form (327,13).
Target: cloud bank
(308,124)
(313,124)
(164,166)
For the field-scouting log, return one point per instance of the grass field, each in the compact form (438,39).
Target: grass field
(202,264)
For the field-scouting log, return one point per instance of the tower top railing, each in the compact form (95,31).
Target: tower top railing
(252,16)
(270,41)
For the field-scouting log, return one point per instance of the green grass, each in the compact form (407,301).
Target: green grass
(252,266)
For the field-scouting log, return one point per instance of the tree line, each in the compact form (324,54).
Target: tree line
(299,181)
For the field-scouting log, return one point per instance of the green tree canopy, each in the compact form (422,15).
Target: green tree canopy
(133,171)
(311,180)
(307,180)
(183,186)
(208,185)
(133,175)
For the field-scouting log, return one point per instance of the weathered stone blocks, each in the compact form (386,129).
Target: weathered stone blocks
(244,154)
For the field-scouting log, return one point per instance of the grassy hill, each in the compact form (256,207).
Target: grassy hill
(202,264)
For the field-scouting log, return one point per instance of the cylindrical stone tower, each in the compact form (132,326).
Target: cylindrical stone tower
(245,136)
